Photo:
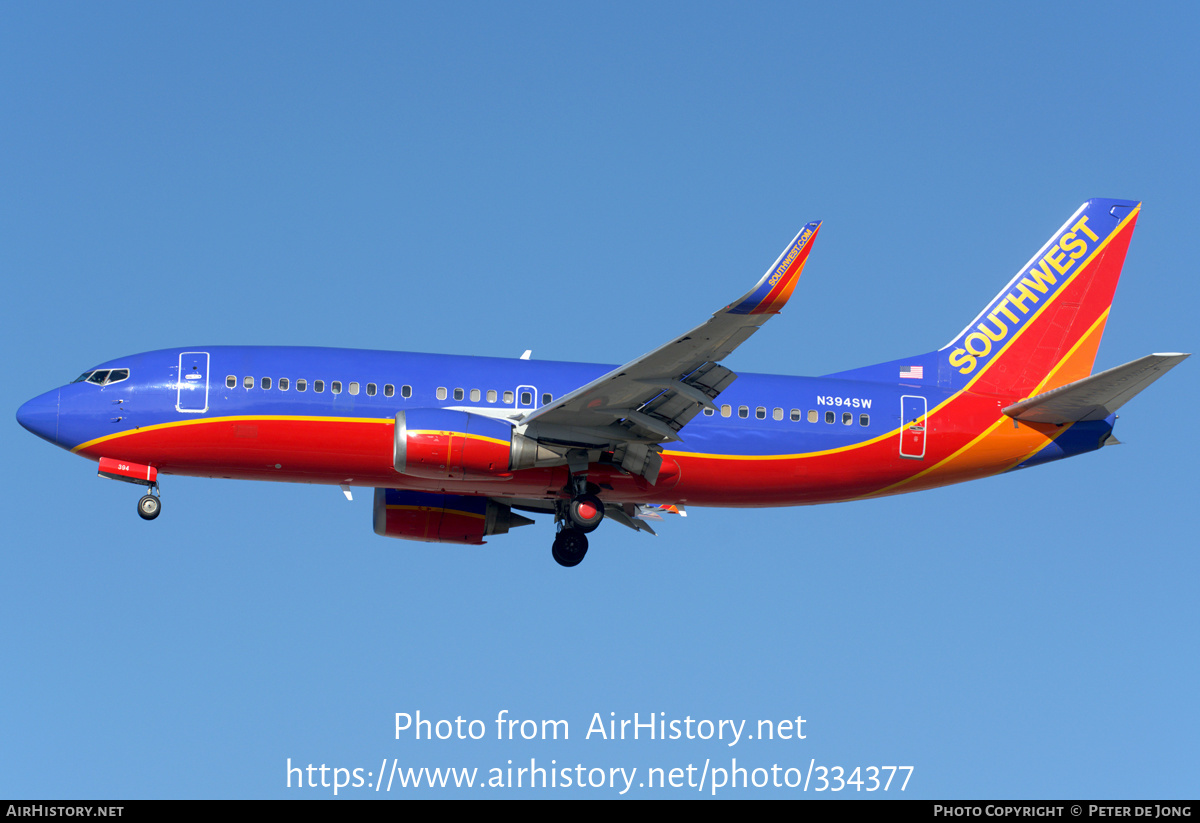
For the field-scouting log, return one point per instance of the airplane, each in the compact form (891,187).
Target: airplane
(454,446)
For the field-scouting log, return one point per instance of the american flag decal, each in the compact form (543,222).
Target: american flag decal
(914,373)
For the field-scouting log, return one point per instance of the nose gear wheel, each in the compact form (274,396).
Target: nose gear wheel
(149,507)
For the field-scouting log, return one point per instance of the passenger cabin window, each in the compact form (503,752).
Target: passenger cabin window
(353,388)
(474,395)
(371,390)
(336,386)
(546,398)
(301,384)
(726,410)
(812,415)
(795,415)
(743,411)
(389,390)
(441,393)
(265,383)
(491,396)
(248,382)
(777,414)
(283,384)
(458,394)
(508,397)
(864,420)
(847,418)
(708,412)
(829,417)
(760,413)
(526,398)
(318,386)
(231,382)
(406,391)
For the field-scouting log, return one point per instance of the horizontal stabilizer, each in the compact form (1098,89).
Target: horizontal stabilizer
(1097,396)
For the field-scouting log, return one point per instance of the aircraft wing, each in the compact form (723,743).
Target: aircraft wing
(648,400)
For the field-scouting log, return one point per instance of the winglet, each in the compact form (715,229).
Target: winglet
(773,290)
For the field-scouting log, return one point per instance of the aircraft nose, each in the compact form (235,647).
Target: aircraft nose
(40,416)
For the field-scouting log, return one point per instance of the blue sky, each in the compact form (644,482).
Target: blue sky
(586,180)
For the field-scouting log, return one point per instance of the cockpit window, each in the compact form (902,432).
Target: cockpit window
(103,377)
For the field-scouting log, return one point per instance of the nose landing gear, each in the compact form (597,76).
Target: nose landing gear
(150,505)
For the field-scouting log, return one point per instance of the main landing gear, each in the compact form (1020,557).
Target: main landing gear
(150,506)
(576,518)
(585,512)
(570,546)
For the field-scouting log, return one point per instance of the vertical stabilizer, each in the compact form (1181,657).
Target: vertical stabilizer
(1042,330)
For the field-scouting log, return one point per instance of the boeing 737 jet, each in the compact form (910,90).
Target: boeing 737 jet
(454,447)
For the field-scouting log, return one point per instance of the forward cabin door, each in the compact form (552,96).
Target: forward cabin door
(913,410)
(191,390)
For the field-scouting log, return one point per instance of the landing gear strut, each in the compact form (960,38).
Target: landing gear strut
(150,506)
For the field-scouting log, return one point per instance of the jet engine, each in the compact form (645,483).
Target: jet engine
(441,444)
(441,518)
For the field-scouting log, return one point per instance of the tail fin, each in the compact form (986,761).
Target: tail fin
(1042,330)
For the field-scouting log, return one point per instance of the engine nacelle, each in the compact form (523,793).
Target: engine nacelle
(441,518)
(440,444)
